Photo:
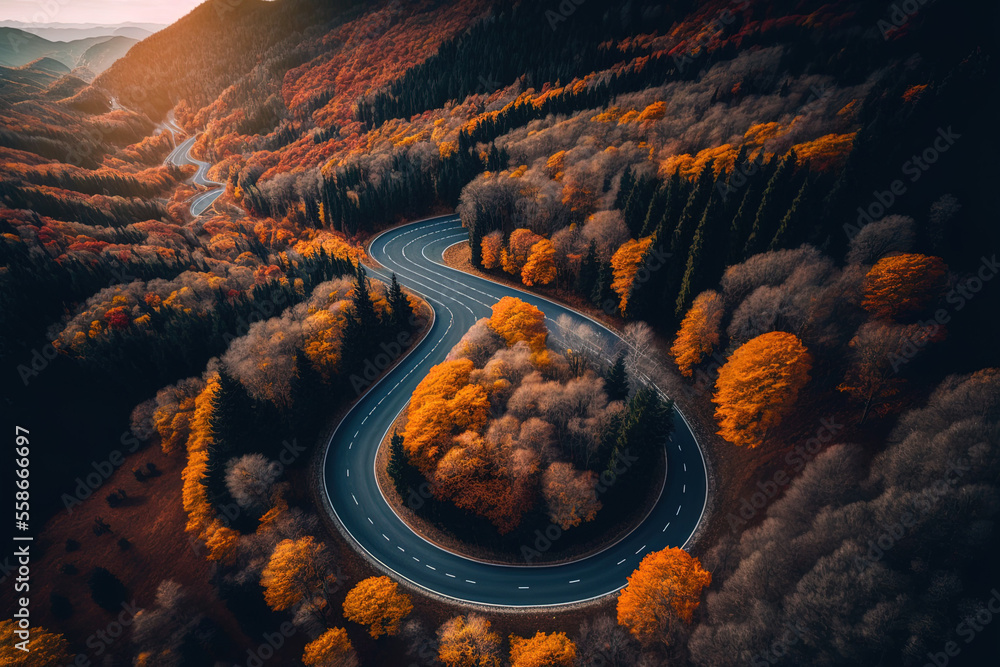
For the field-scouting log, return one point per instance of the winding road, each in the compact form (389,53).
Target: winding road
(180,156)
(414,252)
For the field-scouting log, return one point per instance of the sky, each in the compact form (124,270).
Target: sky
(96,11)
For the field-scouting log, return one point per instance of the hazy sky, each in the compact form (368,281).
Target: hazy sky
(95,11)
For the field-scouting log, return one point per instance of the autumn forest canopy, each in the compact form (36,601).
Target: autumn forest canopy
(778,218)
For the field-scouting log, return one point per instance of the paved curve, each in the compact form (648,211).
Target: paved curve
(414,252)
(180,156)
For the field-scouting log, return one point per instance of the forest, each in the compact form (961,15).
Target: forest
(784,208)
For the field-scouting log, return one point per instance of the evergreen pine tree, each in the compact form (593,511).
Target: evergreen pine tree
(398,467)
(400,310)
(616,380)
(602,293)
(694,276)
(589,269)
(774,201)
(790,230)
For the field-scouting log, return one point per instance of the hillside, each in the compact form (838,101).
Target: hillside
(18,47)
(101,56)
(67,32)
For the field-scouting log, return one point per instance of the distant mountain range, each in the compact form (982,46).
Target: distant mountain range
(95,54)
(68,32)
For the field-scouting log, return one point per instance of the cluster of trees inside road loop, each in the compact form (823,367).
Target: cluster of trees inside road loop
(506,422)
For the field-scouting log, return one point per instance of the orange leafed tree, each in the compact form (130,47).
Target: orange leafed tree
(540,269)
(518,247)
(467,641)
(542,650)
(492,250)
(571,495)
(758,385)
(331,649)
(699,332)
(903,284)
(296,572)
(517,321)
(377,603)
(194,495)
(625,264)
(664,589)
(443,406)
(48,649)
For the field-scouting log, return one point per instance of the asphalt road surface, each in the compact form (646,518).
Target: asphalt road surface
(180,156)
(414,252)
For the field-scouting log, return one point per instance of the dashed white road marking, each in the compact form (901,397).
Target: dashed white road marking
(641,549)
(678,510)
(621,561)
